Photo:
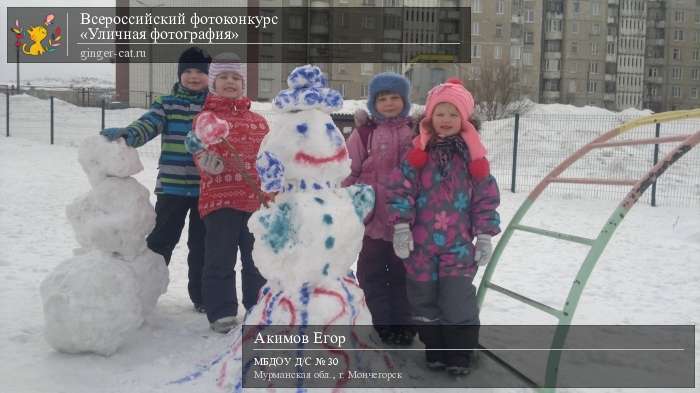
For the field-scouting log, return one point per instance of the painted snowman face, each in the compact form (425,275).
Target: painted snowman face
(312,150)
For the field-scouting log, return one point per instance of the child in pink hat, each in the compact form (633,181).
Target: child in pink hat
(440,200)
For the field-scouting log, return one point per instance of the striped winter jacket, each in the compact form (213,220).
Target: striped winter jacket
(171,117)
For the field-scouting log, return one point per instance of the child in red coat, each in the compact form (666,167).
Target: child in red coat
(227,197)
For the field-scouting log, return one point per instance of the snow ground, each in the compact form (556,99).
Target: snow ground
(647,275)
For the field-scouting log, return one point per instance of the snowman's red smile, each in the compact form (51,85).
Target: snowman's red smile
(302,157)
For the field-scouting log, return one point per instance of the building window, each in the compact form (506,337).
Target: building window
(676,53)
(592,86)
(497,52)
(679,17)
(364,90)
(476,6)
(476,51)
(653,72)
(694,93)
(475,73)
(367,68)
(367,45)
(594,49)
(676,73)
(527,58)
(593,68)
(499,7)
(499,31)
(574,47)
(265,85)
(529,37)
(529,15)
(574,27)
(678,35)
(572,86)
(577,7)
(596,29)
(475,28)
(653,91)
(695,74)
(368,22)
(696,54)
(595,8)
(676,91)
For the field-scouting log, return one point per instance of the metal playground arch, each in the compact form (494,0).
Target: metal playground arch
(597,245)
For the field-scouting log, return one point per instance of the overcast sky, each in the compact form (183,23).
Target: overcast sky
(59,70)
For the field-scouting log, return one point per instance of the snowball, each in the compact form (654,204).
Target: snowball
(101,158)
(90,304)
(151,275)
(116,216)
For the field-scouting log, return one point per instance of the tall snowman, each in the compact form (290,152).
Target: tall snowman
(307,240)
(96,299)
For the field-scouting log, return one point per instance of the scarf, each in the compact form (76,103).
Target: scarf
(443,149)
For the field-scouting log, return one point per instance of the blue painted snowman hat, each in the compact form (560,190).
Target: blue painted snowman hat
(308,89)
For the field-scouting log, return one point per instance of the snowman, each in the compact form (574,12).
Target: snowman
(307,240)
(95,300)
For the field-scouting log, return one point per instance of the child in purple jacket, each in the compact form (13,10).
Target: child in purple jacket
(376,147)
(442,197)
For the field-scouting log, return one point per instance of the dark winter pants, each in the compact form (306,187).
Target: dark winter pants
(226,232)
(447,315)
(171,211)
(382,277)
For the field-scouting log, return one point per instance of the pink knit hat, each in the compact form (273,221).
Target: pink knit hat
(453,92)
(225,62)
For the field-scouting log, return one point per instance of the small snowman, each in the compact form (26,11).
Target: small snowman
(307,240)
(95,300)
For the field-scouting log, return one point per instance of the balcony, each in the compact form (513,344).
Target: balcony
(516,40)
(611,58)
(610,38)
(552,55)
(610,77)
(516,19)
(609,97)
(455,15)
(611,20)
(658,42)
(654,79)
(551,75)
(553,35)
(654,61)
(660,24)
(554,15)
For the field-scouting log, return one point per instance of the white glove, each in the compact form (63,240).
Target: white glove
(210,162)
(483,249)
(403,240)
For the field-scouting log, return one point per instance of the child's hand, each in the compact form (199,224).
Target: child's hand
(403,240)
(210,162)
(482,254)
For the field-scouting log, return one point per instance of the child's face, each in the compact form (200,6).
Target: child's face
(194,79)
(229,85)
(389,104)
(446,120)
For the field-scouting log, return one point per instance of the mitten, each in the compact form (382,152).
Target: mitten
(210,162)
(403,240)
(483,249)
(115,133)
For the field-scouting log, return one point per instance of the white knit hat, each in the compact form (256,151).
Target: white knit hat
(226,62)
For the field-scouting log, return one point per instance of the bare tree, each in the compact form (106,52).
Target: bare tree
(496,89)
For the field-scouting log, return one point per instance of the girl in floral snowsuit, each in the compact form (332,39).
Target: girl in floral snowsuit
(443,197)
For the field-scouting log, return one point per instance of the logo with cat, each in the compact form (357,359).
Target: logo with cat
(33,40)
